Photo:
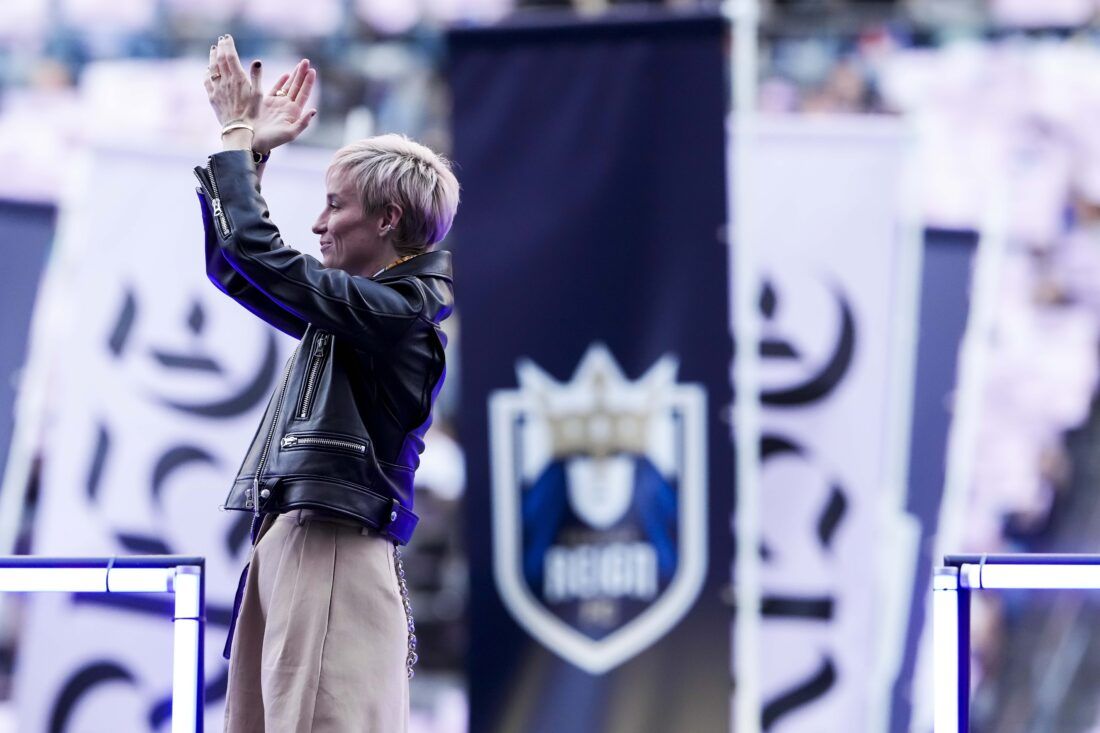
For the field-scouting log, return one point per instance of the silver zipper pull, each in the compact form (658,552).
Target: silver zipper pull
(289,440)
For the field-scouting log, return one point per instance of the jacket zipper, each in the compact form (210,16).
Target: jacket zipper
(314,371)
(299,440)
(210,187)
(253,501)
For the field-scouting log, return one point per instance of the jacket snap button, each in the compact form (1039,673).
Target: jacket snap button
(393,516)
(265,493)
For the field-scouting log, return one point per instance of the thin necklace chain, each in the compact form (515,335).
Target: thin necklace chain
(395,263)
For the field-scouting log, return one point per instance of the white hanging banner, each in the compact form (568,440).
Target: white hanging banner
(828,228)
(156,384)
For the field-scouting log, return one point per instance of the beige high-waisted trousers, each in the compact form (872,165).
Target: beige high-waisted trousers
(321,636)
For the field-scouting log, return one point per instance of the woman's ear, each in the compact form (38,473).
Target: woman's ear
(391,215)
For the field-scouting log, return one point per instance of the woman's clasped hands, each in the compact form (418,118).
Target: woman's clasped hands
(236,96)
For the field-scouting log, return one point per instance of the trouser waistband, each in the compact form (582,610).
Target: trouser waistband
(302,516)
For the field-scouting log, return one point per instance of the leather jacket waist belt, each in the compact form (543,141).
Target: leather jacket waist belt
(387,516)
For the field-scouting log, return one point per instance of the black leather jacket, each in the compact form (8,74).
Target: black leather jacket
(343,431)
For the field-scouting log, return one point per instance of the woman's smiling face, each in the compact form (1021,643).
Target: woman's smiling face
(351,239)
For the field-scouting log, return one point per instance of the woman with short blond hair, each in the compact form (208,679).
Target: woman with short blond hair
(323,636)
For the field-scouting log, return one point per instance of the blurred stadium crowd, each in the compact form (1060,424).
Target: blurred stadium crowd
(1004,96)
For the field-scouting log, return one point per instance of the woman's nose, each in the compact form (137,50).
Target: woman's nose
(319,225)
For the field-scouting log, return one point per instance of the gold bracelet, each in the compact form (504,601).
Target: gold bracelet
(237,125)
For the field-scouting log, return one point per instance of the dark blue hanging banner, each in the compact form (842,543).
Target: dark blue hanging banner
(944,308)
(29,228)
(592,285)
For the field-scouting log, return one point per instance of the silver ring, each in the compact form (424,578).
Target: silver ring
(280,93)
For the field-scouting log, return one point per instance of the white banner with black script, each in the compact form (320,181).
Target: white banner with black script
(156,384)
(826,218)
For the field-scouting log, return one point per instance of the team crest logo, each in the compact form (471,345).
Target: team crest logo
(599,506)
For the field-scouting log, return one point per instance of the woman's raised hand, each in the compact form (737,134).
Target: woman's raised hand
(232,93)
(277,117)
(282,115)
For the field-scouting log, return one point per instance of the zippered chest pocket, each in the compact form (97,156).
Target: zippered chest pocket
(324,441)
(318,355)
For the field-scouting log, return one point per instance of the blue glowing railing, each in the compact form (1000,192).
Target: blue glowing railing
(184,577)
(952,585)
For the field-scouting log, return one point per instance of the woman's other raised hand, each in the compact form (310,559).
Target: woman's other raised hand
(276,117)
(283,115)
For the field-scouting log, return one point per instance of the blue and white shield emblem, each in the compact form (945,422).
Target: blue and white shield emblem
(599,506)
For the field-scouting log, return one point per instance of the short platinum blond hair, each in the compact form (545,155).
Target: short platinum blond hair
(392,169)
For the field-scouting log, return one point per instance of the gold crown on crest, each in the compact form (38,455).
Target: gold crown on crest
(599,412)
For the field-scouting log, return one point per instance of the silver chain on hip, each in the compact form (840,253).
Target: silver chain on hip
(411,657)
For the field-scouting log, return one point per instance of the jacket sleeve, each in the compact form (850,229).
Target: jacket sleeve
(234,284)
(372,314)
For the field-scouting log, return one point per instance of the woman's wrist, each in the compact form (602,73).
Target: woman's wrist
(239,139)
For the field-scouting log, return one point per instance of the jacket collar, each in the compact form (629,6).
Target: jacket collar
(436,263)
